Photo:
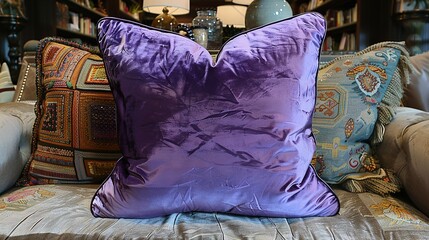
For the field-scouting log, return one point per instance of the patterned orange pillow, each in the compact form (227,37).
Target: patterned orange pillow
(74,137)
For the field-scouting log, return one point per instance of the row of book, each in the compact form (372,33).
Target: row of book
(314,4)
(335,18)
(347,42)
(74,21)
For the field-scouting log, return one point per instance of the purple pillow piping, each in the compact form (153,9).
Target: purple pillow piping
(232,136)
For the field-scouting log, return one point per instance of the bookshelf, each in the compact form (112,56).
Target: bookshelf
(352,25)
(126,9)
(75,19)
(78,18)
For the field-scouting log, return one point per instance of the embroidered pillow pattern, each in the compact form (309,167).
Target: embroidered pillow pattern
(356,97)
(74,137)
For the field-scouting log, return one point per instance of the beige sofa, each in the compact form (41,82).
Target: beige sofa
(62,211)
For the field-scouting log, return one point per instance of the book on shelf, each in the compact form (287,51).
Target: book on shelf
(86,26)
(343,42)
(352,43)
(314,4)
(73,21)
(339,18)
(330,17)
(355,13)
(328,44)
(81,24)
(62,15)
(347,42)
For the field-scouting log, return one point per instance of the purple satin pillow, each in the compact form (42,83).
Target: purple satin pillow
(230,136)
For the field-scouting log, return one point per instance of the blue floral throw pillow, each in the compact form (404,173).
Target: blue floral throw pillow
(356,97)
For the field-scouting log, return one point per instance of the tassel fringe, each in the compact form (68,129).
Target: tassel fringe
(383,185)
(394,93)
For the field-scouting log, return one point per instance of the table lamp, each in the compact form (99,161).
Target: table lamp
(242,2)
(166,9)
(232,15)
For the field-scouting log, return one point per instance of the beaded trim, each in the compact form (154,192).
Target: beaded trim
(24,81)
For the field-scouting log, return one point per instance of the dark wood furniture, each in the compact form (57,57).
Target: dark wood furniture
(373,22)
(11,27)
(44,19)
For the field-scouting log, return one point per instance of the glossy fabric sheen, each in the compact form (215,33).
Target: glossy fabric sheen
(229,136)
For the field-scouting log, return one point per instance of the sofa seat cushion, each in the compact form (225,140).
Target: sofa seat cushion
(11,130)
(16,123)
(405,149)
(61,212)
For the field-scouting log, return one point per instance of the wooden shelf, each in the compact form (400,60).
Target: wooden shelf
(412,15)
(338,14)
(127,15)
(343,28)
(82,9)
(331,4)
(74,34)
(52,18)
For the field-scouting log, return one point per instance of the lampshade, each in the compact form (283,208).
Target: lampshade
(175,7)
(242,2)
(261,12)
(232,15)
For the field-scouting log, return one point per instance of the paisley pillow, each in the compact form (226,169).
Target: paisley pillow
(356,97)
(232,136)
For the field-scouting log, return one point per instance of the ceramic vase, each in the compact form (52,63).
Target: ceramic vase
(261,12)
